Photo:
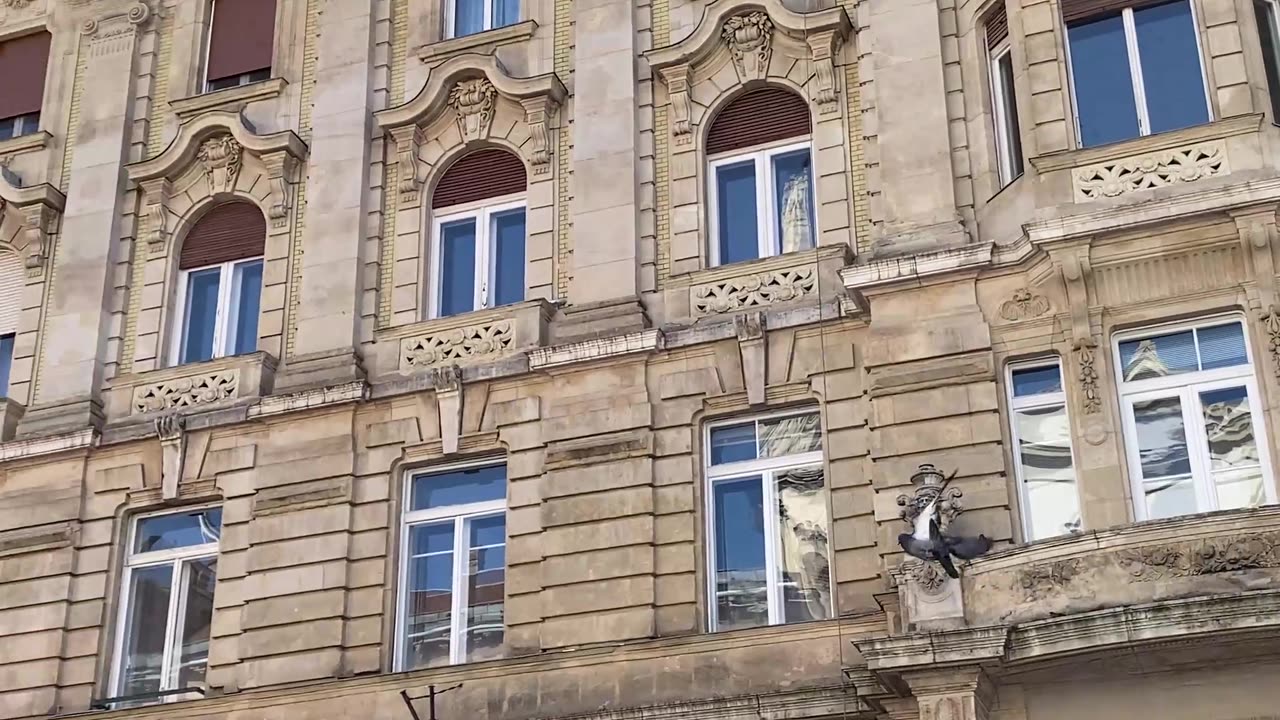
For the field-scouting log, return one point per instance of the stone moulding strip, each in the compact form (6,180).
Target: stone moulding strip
(308,399)
(36,539)
(288,498)
(596,349)
(904,269)
(34,447)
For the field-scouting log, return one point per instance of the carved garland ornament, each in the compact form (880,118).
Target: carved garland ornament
(1170,167)
(1088,380)
(221,156)
(1271,321)
(457,344)
(749,38)
(1024,305)
(1203,557)
(186,392)
(1040,580)
(473,101)
(753,291)
(17,4)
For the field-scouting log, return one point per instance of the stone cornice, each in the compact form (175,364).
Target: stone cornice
(911,269)
(478,42)
(42,194)
(231,100)
(183,150)
(704,40)
(48,445)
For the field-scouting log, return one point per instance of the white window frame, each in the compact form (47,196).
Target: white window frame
(1274,21)
(225,317)
(769,244)
(1036,402)
(460,514)
(1187,387)
(482,212)
(1135,72)
(24,124)
(450,16)
(1003,108)
(179,558)
(767,469)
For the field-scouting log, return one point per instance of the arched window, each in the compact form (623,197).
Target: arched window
(760,177)
(478,233)
(11,279)
(220,284)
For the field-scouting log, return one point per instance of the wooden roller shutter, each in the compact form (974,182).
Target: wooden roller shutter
(233,231)
(11,279)
(758,116)
(241,38)
(997,24)
(1076,10)
(480,175)
(23,62)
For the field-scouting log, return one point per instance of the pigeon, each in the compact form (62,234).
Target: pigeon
(928,542)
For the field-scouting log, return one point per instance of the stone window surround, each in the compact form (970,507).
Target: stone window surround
(215,157)
(470,102)
(737,46)
(30,219)
(190,42)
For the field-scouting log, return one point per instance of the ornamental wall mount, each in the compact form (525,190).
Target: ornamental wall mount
(931,486)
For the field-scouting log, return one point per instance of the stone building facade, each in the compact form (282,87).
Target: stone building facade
(586,354)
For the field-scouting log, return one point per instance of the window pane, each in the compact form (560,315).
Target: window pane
(733,443)
(1038,426)
(6,363)
(486,587)
(1044,455)
(1158,356)
(793,200)
(1170,497)
(1009,106)
(1102,81)
(804,556)
(429,605)
(1170,59)
(1233,448)
(149,594)
(201,315)
(176,530)
(742,595)
(1222,346)
(8,128)
(1162,453)
(459,487)
(1037,381)
(468,17)
(506,12)
(1265,10)
(508,266)
(196,616)
(736,212)
(244,312)
(457,267)
(790,435)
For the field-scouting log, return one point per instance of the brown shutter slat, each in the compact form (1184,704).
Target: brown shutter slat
(1076,10)
(232,231)
(480,175)
(242,37)
(997,25)
(23,62)
(756,117)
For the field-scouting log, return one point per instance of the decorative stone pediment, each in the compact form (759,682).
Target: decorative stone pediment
(29,217)
(461,102)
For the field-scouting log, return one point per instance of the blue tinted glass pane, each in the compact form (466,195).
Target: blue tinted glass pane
(1158,356)
(508,266)
(1222,346)
(741,583)
(202,312)
(733,443)
(1037,381)
(506,12)
(431,539)
(459,487)
(468,17)
(457,267)
(1102,82)
(793,191)
(736,212)
(6,363)
(1170,60)
(165,532)
(249,294)
(488,531)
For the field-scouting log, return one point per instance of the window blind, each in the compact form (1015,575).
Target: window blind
(23,62)
(232,231)
(480,175)
(997,25)
(242,37)
(756,117)
(11,280)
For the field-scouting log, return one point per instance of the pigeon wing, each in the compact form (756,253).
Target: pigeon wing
(968,548)
(950,567)
(914,546)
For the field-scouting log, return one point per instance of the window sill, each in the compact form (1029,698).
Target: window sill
(31,142)
(1217,130)
(481,42)
(229,100)
(482,336)
(11,411)
(192,387)
(791,278)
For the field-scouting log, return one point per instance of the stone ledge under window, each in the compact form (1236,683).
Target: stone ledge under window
(229,100)
(11,412)
(481,42)
(31,142)
(484,336)
(203,385)
(798,277)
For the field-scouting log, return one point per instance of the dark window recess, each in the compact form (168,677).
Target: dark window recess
(997,25)
(241,40)
(232,231)
(1073,10)
(480,175)
(1266,12)
(239,80)
(6,363)
(757,117)
(23,63)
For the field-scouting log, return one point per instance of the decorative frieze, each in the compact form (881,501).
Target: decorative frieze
(1153,170)
(473,102)
(456,345)
(749,38)
(187,391)
(1202,557)
(1024,305)
(221,155)
(752,291)
(1043,579)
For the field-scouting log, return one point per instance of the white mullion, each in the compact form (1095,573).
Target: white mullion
(123,630)
(166,656)
(179,319)
(764,207)
(457,626)
(486,255)
(1198,449)
(220,312)
(713,600)
(208,42)
(450,12)
(773,541)
(488,15)
(1135,72)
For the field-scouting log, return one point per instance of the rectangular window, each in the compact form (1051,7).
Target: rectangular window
(1136,71)
(241,43)
(6,363)
(1042,450)
(453,568)
(767,522)
(1193,430)
(167,606)
(479,259)
(468,17)
(1005,114)
(24,62)
(762,204)
(219,311)
(1267,14)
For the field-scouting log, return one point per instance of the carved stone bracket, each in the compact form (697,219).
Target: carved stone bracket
(39,210)
(173,445)
(677,80)
(472,101)
(448,384)
(1075,268)
(457,344)
(1258,234)
(282,169)
(538,114)
(749,38)
(409,141)
(752,344)
(221,157)
(823,49)
(155,197)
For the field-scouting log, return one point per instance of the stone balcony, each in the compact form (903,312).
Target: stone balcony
(189,388)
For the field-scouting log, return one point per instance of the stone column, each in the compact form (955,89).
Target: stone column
(957,693)
(79,308)
(327,319)
(916,173)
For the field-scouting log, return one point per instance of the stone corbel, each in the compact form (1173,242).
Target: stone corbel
(448,385)
(677,81)
(1074,265)
(409,141)
(38,227)
(173,445)
(823,48)
(752,344)
(281,168)
(156,194)
(538,113)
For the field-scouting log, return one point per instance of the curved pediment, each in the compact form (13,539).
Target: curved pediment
(738,26)
(187,147)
